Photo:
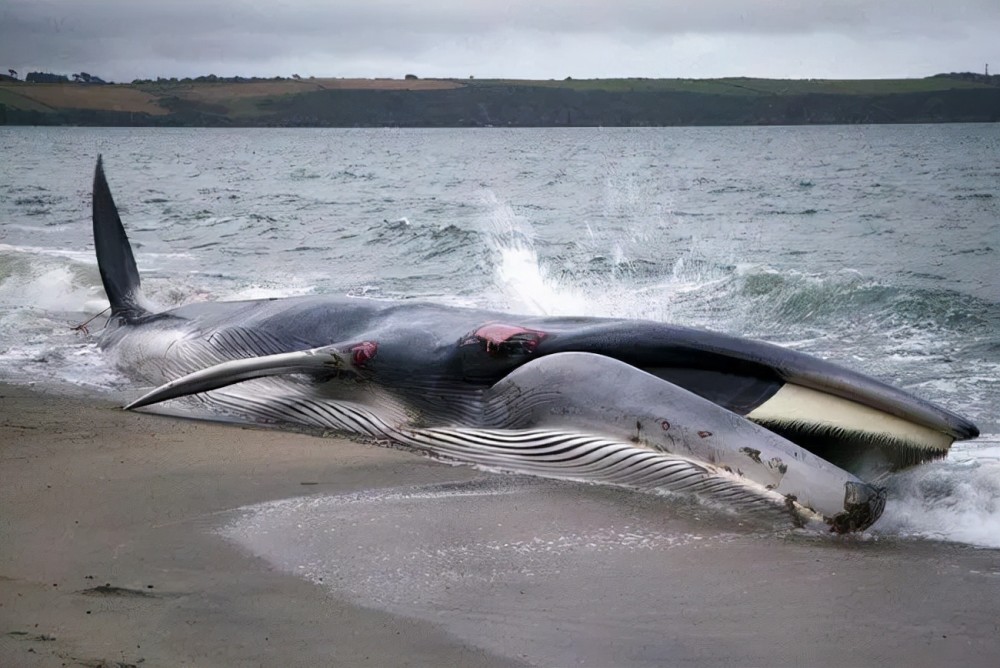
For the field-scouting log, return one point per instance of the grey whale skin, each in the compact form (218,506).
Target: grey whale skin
(640,404)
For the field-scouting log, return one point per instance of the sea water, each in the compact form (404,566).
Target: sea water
(876,247)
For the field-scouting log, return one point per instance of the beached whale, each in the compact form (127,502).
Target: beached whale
(634,403)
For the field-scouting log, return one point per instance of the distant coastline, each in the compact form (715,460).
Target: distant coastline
(413,102)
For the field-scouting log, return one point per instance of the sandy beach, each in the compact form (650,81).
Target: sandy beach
(105,558)
(110,556)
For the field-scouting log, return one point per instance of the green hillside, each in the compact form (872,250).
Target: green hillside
(411,102)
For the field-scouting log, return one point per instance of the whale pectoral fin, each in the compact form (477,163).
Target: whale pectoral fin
(317,361)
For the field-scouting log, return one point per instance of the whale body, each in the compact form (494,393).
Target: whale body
(635,403)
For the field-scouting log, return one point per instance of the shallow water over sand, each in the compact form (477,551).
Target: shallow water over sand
(559,574)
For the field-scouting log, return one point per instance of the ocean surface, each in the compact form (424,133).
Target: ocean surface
(877,247)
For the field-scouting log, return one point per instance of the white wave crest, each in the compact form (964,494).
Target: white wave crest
(955,500)
(523,282)
(50,288)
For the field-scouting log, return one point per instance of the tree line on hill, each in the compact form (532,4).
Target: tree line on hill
(992,79)
(211,78)
(48,77)
(84,77)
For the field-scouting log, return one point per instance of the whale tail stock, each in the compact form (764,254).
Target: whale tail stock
(114,253)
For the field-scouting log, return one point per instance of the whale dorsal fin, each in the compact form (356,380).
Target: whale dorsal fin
(114,253)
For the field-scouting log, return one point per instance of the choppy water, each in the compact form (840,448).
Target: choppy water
(875,246)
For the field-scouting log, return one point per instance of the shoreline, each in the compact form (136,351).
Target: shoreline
(110,555)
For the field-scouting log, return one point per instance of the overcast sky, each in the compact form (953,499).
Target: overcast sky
(538,39)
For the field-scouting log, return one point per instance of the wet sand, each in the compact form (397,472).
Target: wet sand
(94,496)
(110,554)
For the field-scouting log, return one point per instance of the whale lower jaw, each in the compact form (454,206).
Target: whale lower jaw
(847,433)
(590,458)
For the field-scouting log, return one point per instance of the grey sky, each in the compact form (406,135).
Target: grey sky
(540,39)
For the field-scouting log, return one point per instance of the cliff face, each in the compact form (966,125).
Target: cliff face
(501,103)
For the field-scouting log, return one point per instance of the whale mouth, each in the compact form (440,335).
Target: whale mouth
(856,437)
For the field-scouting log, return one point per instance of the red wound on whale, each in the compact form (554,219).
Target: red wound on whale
(363,352)
(499,338)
